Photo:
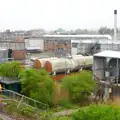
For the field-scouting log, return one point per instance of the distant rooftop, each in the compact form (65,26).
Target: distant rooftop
(80,36)
(108,54)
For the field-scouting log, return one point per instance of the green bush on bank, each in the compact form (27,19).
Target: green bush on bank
(79,85)
(97,112)
(10,69)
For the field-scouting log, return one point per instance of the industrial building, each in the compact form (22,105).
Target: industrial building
(18,48)
(106,70)
(63,42)
(34,44)
(88,47)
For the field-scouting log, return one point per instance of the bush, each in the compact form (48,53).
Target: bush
(27,111)
(65,103)
(79,85)
(38,85)
(10,69)
(97,112)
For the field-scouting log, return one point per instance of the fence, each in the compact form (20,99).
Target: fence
(23,100)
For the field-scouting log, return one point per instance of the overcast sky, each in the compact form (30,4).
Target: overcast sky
(53,14)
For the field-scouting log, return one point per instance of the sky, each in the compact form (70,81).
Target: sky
(53,14)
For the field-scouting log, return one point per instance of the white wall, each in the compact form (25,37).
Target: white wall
(98,67)
(73,51)
(35,42)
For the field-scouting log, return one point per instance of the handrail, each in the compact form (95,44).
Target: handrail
(16,95)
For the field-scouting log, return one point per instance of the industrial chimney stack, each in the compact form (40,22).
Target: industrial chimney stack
(115,24)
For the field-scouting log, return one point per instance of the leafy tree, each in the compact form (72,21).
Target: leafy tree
(105,30)
(60,30)
(10,69)
(80,85)
(97,112)
(37,84)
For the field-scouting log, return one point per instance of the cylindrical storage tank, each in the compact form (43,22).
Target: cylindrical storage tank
(77,55)
(60,65)
(83,60)
(33,59)
(88,60)
(39,63)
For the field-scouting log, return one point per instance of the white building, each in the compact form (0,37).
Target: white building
(34,43)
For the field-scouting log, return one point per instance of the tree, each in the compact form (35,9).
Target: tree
(10,69)
(38,85)
(79,85)
(60,30)
(105,30)
(81,31)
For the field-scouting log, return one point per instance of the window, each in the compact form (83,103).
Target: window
(74,45)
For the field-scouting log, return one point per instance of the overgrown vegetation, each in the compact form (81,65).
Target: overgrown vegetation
(97,112)
(38,85)
(79,85)
(22,113)
(10,69)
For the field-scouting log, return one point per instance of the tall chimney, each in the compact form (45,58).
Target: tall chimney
(115,24)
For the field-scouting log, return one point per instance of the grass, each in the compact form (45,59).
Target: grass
(28,113)
(22,112)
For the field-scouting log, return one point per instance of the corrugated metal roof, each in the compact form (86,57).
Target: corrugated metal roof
(104,41)
(78,36)
(108,54)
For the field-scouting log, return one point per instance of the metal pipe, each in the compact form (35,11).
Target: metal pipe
(115,24)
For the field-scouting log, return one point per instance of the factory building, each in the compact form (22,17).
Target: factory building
(106,70)
(18,48)
(34,44)
(88,47)
(63,42)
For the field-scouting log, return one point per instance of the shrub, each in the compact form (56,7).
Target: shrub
(27,111)
(10,69)
(65,103)
(79,85)
(97,112)
(38,85)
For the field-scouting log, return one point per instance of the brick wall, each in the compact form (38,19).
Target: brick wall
(19,54)
(54,46)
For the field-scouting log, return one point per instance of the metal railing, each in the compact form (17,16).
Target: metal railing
(107,73)
(23,100)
